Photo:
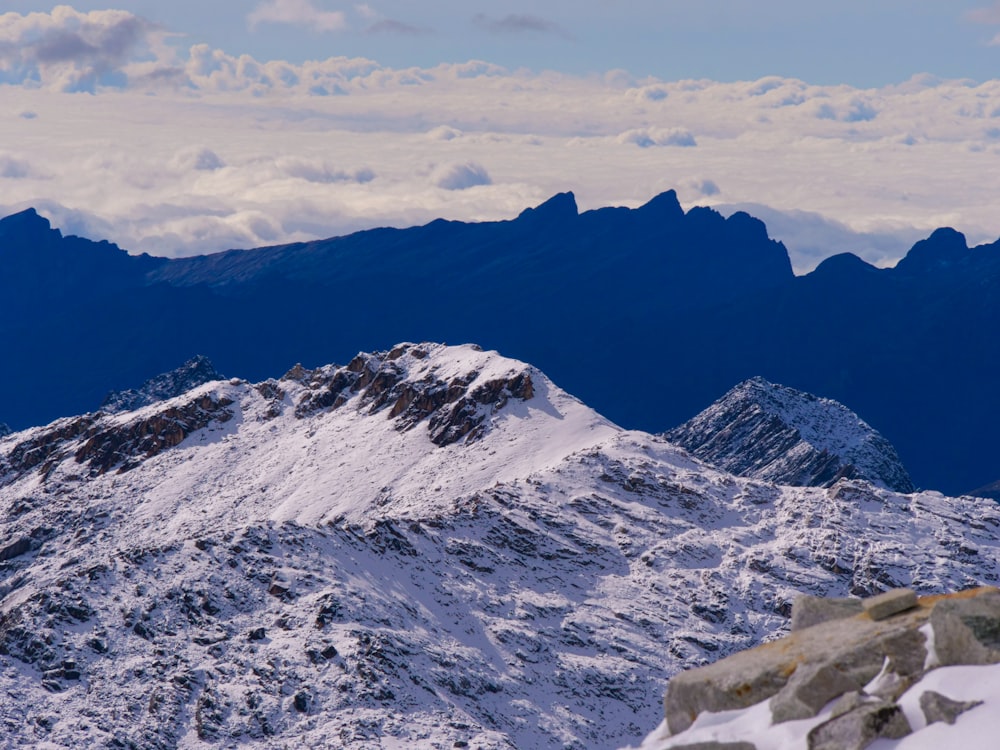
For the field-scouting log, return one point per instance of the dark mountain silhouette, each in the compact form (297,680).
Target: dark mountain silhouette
(647,314)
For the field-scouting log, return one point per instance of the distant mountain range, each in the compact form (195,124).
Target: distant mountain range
(430,546)
(648,314)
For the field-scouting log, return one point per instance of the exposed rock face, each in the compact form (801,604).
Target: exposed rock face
(196,371)
(777,433)
(4,430)
(102,443)
(869,659)
(454,407)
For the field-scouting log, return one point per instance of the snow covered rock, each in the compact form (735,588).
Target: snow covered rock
(427,546)
(196,371)
(772,432)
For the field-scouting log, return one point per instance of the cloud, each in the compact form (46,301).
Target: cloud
(986,16)
(518,23)
(296,13)
(323,172)
(857,110)
(461,176)
(389,26)
(198,159)
(12,168)
(706,188)
(71,50)
(647,137)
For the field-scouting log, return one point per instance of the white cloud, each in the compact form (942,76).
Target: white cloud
(177,154)
(12,168)
(988,16)
(74,51)
(461,176)
(646,137)
(296,13)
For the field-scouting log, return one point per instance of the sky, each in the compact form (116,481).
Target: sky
(182,127)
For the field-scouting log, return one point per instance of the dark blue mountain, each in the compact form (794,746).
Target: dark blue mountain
(647,314)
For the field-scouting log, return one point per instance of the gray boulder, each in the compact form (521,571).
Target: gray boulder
(858,728)
(937,707)
(809,689)
(890,603)
(812,610)
(967,630)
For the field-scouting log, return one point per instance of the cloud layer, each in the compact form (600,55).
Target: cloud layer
(191,150)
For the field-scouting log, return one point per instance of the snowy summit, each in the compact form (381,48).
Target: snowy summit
(773,432)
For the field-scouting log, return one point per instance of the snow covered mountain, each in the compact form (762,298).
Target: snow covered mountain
(196,371)
(432,546)
(776,433)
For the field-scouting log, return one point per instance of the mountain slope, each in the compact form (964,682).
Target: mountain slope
(779,434)
(431,545)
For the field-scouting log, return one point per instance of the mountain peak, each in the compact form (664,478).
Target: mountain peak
(27,223)
(946,247)
(767,431)
(559,207)
(196,371)
(665,205)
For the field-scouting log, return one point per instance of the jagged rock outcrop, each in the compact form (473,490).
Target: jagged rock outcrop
(456,405)
(858,677)
(196,371)
(772,432)
(4,430)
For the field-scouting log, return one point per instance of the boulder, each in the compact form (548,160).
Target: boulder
(890,603)
(858,728)
(967,629)
(812,610)
(937,707)
(810,688)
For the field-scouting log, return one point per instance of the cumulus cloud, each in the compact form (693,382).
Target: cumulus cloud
(647,137)
(12,168)
(71,50)
(706,188)
(857,110)
(323,172)
(461,176)
(518,23)
(296,13)
(198,159)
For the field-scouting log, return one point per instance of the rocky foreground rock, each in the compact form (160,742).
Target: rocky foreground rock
(850,659)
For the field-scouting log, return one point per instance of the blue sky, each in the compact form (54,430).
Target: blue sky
(859,42)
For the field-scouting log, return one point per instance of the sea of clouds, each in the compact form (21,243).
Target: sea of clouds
(114,129)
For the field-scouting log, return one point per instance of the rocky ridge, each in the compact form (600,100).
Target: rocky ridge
(428,546)
(779,434)
(851,672)
(196,371)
